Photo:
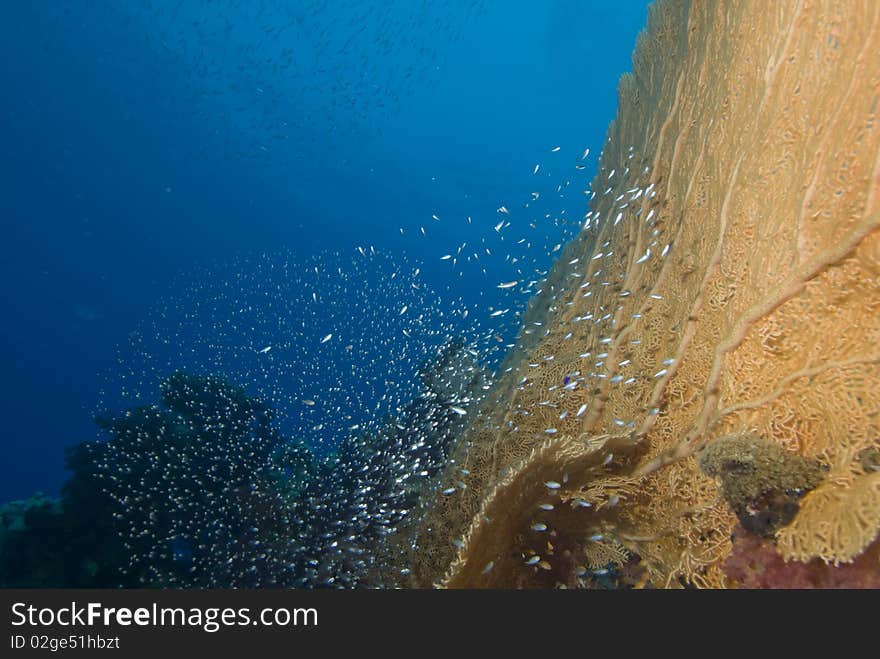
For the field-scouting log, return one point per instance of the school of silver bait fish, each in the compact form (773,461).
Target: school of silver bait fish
(312,335)
(290,468)
(287,445)
(294,63)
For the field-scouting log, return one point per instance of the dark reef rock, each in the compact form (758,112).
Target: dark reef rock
(761,482)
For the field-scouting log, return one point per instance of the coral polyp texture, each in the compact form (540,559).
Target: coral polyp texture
(724,288)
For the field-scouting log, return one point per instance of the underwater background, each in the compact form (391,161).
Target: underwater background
(456,295)
(153,150)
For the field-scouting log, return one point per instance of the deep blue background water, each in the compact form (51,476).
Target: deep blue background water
(141,139)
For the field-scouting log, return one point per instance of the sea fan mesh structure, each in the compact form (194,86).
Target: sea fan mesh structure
(744,162)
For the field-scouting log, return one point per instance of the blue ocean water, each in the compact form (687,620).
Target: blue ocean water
(154,149)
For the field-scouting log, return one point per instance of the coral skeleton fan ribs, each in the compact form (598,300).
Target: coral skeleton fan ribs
(751,131)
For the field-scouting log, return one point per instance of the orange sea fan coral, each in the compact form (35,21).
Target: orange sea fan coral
(753,138)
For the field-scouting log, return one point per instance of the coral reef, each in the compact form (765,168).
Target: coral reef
(725,283)
(17,520)
(195,491)
(61,543)
(202,490)
(692,401)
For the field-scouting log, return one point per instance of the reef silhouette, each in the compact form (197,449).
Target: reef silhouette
(200,490)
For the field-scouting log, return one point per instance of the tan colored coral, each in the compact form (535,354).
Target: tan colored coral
(837,521)
(755,129)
